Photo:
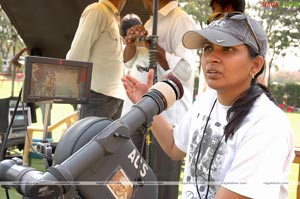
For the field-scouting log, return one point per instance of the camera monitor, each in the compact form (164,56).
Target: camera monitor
(56,80)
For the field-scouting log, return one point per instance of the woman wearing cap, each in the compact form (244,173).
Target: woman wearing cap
(237,142)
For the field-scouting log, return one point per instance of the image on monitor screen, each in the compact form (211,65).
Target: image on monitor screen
(57,80)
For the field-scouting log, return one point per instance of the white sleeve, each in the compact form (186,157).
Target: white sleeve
(181,132)
(181,59)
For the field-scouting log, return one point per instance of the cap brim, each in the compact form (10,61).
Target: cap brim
(195,39)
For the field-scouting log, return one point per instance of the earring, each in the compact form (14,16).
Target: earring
(252,75)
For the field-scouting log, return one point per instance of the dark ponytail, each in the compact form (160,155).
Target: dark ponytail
(242,106)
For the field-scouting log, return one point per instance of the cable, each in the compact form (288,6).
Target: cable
(201,141)
(137,178)
(6,193)
(3,147)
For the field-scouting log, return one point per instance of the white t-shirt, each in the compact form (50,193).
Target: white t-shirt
(255,162)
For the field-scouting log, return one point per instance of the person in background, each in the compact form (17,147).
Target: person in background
(15,59)
(220,7)
(98,40)
(128,21)
(231,133)
(18,67)
(173,58)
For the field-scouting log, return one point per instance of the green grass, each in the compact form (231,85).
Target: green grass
(293,177)
(295,122)
(60,110)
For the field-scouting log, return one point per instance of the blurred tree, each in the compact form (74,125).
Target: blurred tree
(199,9)
(10,41)
(281,21)
(286,77)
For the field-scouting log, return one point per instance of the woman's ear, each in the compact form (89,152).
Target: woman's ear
(258,63)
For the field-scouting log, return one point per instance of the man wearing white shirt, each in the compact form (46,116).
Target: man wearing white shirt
(98,40)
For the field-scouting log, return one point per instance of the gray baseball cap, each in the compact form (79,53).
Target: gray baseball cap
(229,31)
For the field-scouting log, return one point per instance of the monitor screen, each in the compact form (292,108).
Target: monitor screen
(56,80)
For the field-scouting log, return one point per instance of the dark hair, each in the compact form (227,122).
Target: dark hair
(128,21)
(237,5)
(242,106)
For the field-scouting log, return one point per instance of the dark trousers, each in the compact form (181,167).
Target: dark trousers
(164,167)
(102,106)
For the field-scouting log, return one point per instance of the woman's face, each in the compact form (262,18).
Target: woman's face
(227,69)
